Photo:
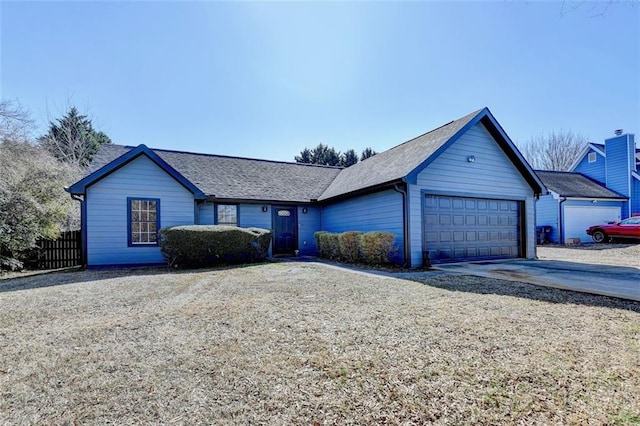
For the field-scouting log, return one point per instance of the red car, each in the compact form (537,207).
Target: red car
(628,228)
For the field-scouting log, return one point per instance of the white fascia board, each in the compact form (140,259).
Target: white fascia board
(596,199)
(597,149)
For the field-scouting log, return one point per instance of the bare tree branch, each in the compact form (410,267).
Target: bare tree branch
(15,121)
(554,151)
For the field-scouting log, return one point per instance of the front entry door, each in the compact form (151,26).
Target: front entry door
(285,238)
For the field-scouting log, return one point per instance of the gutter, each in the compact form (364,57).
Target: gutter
(560,221)
(405,224)
(83,224)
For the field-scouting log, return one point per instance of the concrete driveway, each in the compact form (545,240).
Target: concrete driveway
(617,281)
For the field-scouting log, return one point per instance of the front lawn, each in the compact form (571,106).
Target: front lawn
(298,343)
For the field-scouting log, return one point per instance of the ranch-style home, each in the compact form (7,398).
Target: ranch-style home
(602,185)
(457,193)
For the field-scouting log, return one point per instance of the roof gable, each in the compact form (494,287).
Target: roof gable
(79,188)
(576,185)
(591,146)
(228,178)
(234,178)
(405,161)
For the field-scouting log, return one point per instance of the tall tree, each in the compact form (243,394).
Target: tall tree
(321,154)
(33,203)
(555,150)
(304,157)
(328,156)
(367,153)
(72,139)
(349,158)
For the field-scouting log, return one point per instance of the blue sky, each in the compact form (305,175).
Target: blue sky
(265,79)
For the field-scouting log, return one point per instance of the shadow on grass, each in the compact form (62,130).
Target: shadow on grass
(494,286)
(75,276)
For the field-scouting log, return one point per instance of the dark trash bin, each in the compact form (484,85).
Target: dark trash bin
(543,234)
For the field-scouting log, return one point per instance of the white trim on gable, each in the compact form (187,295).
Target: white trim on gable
(590,146)
(635,175)
(597,149)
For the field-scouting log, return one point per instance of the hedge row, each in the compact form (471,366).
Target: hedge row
(354,246)
(206,245)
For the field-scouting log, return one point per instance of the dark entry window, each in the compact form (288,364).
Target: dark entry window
(227,214)
(143,221)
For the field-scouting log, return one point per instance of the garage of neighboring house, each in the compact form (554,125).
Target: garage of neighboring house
(459,228)
(577,218)
(575,202)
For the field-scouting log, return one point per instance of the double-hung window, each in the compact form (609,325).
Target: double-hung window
(143,221)
(227,214)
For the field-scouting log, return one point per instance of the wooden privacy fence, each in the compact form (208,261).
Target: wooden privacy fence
(64,252)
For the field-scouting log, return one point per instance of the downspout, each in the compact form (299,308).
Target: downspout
(83,226)
(560,222)
(405,223)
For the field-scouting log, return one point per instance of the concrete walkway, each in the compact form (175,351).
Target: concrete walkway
(616,281)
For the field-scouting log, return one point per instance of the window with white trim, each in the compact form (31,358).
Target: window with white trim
(592,157)
(227,214)
(144,221)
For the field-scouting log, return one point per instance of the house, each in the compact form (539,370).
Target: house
(459,192)
(602,185)
(574,203)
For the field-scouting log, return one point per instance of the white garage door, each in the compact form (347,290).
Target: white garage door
(578,219)
(460,229)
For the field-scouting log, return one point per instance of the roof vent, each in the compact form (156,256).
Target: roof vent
(618,132)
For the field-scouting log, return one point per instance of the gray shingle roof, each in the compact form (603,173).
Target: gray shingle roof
(395,163)
(238,178)
(250,179)
(575,185)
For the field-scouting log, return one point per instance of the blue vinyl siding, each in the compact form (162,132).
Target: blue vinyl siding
(491,175)
(106,212)
(380,211)
(620,161)
(252,216)
(635,196)
(308,224)
(595,170)
(206,213)
(547,215)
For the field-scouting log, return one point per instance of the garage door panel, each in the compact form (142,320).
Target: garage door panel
(470,228)
(578,218)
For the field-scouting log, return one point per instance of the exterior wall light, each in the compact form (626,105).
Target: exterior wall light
(265,208)
(471,158)
(305,210)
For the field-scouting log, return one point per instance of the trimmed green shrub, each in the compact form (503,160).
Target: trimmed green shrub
(354,246)
(349,244)
(328,245)
(205,245)
(377,247)
(321,244)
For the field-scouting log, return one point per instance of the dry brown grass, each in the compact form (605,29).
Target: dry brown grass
(298,343)
(616,254)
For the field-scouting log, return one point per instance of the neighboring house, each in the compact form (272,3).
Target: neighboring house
(574,203)
(602,185)
(459,192)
